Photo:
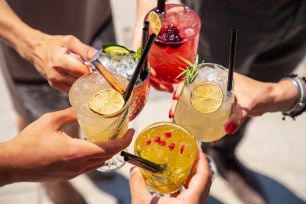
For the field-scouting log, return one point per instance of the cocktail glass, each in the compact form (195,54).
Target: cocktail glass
(125,65)
(201,110)
(178,37)
(168,144)
(96,127)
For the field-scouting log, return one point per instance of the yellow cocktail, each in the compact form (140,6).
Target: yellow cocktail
(169,144)
(88,93)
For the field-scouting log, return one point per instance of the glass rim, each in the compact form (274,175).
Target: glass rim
(212,65)
(117,113)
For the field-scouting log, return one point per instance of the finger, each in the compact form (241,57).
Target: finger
(138,186)
(63,76)
(178,91)
(82,49)
(73,66)
(237,118)
(202,177)
(62,86)
(115,146)
(161,87)
(172,109)
(63,117)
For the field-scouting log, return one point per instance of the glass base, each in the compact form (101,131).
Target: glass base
(113,164)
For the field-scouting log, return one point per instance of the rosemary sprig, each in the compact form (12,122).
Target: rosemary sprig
(191,71)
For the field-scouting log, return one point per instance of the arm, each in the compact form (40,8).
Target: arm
(143,7)
(42,152)
(49,54)
(254,98)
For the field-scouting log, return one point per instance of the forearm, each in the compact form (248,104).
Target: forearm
(15,32)
(143,7)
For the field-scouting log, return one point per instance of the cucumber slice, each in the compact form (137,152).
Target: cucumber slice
(114,48)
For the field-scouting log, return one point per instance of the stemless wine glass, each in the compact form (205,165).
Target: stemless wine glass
(205,105)
(178,38)
(125,65)
(168,144)
(96,127)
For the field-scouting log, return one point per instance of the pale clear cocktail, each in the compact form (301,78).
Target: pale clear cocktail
(205,105)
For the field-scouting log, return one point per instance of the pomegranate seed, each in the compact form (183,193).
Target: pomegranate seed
(148,142)
(162,143)
(171,146)
(157,139)
(167,134)
(182,149)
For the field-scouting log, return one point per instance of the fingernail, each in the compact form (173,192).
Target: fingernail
(171,113)
(133,170)
(174,97)
(96,52)
(230,128)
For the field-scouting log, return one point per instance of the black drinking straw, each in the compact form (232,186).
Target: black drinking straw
(144,55)
(143,163)
(160,6)
(145,36)
(231,62)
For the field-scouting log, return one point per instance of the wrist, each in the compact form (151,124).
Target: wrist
(27,45)
(5,167)
(285,94)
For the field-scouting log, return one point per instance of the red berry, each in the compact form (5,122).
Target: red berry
(169,34)
(167,134)
(171,146)
(148,142)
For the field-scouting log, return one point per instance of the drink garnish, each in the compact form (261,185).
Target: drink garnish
(206,97)
(106,102)
(169,35)
(115,49)
(190,72)
(155,23)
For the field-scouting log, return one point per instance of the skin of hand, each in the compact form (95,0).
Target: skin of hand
(42,152)
(143,7)
(196,190)
(48,53)
(252,98)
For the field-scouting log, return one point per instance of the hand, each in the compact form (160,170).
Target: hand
(254,98)
(51,58)
(196,192)
(42,152)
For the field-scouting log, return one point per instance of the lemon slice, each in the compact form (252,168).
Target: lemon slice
(155,23)
(106,102)
(206,97)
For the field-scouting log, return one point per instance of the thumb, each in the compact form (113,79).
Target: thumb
(82,49)
(64,117)
(237,118)
(138,186)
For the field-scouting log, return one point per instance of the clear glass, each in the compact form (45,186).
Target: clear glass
(205,127)
(125,65)
(164,57)
(95,127)
(170,144)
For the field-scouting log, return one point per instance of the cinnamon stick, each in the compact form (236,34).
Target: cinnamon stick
(109,76)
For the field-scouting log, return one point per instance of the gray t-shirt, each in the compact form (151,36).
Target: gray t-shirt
(81,18)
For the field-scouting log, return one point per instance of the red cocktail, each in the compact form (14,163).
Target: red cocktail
(178,38)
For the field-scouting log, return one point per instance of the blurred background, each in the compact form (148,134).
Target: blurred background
(274,149)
